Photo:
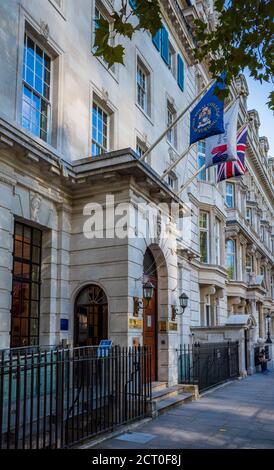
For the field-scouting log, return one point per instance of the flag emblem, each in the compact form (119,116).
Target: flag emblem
(207,118)
(223,147)
(235,168)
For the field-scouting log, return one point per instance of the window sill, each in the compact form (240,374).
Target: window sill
(58,9)
(144,113)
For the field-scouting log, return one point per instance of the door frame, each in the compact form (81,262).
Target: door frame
(79,292)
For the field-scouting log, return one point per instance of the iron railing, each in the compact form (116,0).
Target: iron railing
(54,398)
(208,364)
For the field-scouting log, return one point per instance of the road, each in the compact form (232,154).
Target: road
(237,415)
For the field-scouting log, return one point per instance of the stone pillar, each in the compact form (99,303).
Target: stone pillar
(261,321)
(6,259)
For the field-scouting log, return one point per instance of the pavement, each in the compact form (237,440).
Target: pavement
(238,415)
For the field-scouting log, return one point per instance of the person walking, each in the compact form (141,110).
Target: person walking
(263,362)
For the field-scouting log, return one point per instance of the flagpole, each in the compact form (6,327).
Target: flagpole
(170,168)
(184,186)
(149,150)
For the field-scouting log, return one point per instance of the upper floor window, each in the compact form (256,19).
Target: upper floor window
(230,195)
(100,12)
(249,264)
(203,175)
(231,259)
(172,59)
(172,181)
(140,147)
(171,116)
(100,130)
(218,242)
(36,98)
(204,237)
(249,215)
(143,87)
(272,287)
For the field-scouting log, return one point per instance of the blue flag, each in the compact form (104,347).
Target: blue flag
(207,118)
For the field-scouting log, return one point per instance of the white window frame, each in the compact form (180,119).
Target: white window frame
(171,115)
(230,195)
(206,231)
(234,254)
(218,242)
(93,141)
(203,175)
(97,5)
(25,84)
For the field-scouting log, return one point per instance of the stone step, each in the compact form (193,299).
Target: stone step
(164,393)
(165,404)
(156,386)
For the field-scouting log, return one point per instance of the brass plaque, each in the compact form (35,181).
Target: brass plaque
(135,323)
(172,326)
(162,326)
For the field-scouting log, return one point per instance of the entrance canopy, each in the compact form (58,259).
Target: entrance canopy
(241,320)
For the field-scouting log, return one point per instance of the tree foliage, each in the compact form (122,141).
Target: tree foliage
(243,37)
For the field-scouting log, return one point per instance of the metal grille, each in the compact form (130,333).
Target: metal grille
(208,364)
(56,398)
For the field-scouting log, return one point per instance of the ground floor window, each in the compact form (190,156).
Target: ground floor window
(26,281)
(91,316)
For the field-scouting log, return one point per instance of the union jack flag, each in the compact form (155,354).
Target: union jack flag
(236,168)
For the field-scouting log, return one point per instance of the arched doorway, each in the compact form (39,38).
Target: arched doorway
(91,316)
(150,312)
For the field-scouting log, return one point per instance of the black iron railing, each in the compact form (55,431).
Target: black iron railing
(208,364)
(54,398)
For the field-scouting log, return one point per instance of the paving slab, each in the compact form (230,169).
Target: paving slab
(239,415)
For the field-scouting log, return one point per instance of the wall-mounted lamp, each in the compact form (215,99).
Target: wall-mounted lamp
(183,299)
(148,290)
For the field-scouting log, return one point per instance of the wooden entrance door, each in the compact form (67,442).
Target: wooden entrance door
(150,328)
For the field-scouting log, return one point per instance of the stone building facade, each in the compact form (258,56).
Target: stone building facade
(71,134)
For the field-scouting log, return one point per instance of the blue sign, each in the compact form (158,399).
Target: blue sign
(64,324)
(104,347)
(207,118)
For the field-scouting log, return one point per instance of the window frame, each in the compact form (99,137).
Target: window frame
(96,103)
(171,136)
(233,253)
(21,280)
(105,14)
(204,230)
(230,195)
(142,64)
(201,157)
(25,85)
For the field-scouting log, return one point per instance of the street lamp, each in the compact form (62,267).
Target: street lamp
(268,319)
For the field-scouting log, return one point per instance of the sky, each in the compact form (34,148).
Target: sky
(258,96)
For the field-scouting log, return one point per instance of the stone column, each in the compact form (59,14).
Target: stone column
(6,259)
(261,321)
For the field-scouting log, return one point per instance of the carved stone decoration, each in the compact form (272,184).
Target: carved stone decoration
(44,29)
(35,203)
(105,95)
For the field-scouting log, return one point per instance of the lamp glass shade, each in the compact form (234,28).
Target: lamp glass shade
(268,318)
(183,300)
(148,288)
